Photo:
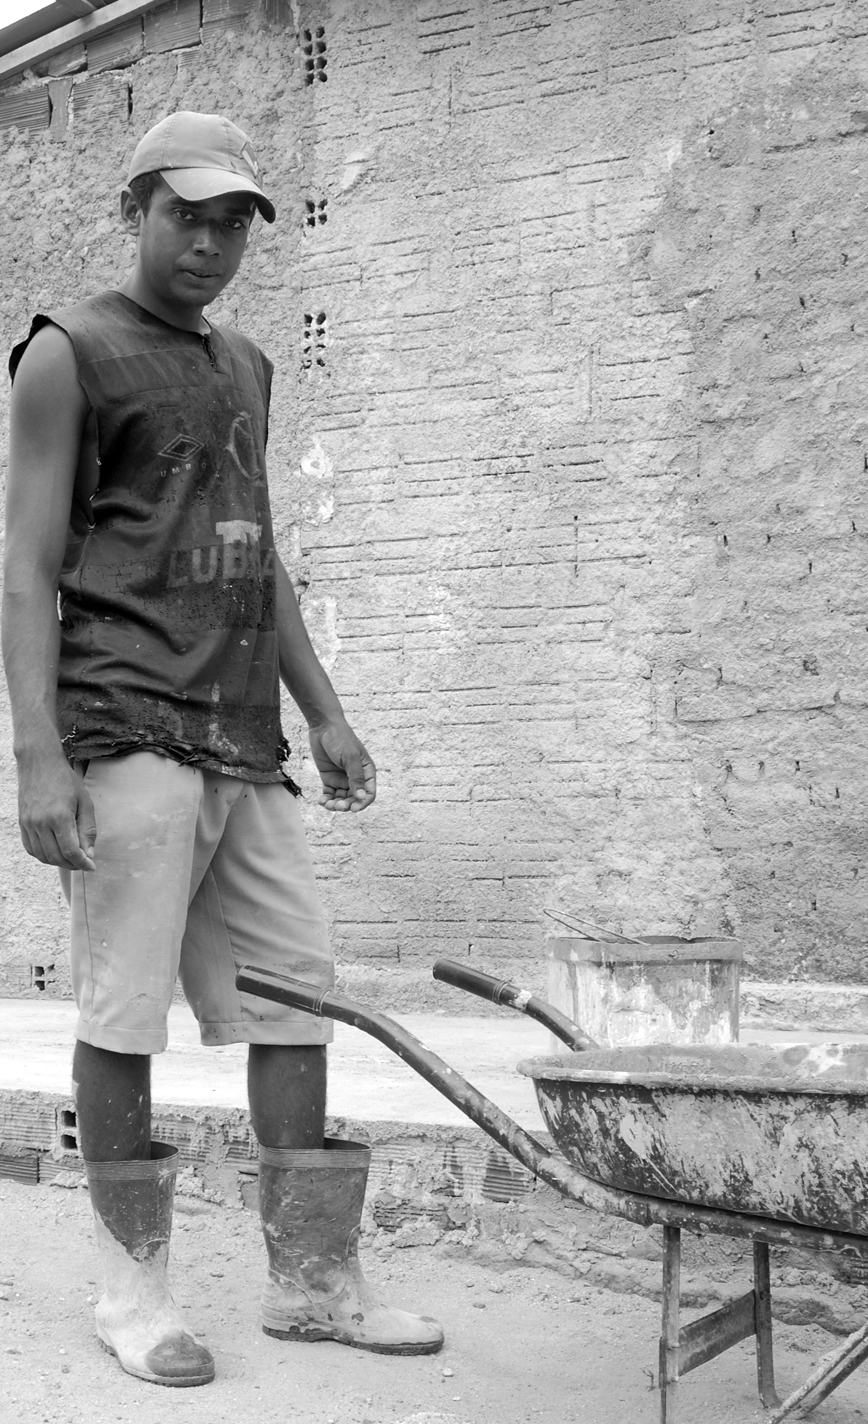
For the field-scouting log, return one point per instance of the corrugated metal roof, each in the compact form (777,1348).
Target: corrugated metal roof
(43,21)
(56,28)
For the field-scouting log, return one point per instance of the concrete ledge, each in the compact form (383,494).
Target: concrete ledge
(815,1007)
(811,1004)
(408,990)
(395,989)
(366,1081)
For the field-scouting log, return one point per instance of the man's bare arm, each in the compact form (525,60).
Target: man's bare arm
(348,774)
(48,413)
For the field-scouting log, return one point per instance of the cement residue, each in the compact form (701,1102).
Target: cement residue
(726,1068)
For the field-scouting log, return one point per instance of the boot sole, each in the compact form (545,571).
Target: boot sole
(187,1382)
(295,1332)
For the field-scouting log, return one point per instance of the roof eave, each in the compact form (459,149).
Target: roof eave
(51,42)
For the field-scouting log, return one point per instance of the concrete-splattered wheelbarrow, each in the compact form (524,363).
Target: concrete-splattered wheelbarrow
(769,1146)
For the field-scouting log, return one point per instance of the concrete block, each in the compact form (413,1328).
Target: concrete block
(25,109)
(174,25)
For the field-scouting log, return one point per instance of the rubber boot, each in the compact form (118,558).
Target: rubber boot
(311,1207)
(136,1318)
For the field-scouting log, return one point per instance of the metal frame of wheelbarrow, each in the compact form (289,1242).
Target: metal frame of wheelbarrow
(682,1347)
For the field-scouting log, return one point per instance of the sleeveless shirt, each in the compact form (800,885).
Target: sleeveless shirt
(167,601)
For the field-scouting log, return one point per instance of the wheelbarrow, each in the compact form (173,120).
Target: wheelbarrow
(734,1140)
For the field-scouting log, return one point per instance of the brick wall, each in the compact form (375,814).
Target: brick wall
(568,452)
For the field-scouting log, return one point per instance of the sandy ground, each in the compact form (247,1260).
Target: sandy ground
(524,1345)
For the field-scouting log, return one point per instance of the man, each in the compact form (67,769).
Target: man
(149,748)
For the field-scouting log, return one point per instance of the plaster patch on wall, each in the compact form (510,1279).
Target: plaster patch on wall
(321,617)
(314,507)
(317,463)
(356,165)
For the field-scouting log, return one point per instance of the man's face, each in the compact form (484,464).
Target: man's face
(188,252)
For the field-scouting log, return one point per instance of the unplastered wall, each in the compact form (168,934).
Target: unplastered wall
(568,450)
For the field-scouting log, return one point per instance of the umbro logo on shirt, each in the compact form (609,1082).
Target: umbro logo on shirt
(179,452)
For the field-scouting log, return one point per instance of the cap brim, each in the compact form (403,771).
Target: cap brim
(195,184)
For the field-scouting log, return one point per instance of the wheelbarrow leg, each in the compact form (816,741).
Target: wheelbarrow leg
(670,1328)
(765,1360)
(703,1339)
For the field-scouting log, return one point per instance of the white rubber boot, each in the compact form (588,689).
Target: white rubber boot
(136,1318)
(311,1207)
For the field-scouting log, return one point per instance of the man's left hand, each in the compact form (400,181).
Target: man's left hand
(348,775)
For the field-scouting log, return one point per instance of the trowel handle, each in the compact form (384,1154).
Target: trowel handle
(510,996)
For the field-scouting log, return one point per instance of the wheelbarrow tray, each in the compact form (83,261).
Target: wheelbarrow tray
(742,1128)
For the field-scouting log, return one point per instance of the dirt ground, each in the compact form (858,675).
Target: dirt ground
(523,1345)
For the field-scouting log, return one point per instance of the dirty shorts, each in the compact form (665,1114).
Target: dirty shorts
(197,873)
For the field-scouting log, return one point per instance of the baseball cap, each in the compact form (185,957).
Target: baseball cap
(201,156)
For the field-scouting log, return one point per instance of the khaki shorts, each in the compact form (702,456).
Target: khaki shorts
(197,874)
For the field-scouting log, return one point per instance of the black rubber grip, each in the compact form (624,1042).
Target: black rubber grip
(510,996)
(473,981)
(282,989)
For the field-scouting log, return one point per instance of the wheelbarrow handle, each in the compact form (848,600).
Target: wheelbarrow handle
(550,1166)
(501,991)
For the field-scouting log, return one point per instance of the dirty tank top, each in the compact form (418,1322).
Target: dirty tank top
(167,598)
